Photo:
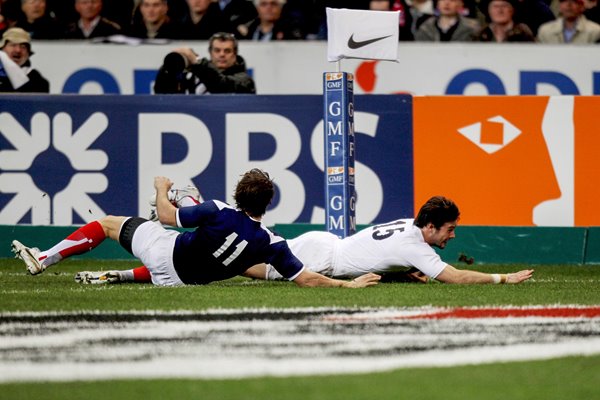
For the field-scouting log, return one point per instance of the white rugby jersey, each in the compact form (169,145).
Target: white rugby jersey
(393,246)
(389,247)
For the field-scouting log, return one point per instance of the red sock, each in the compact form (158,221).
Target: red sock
(81,241)
(142,275)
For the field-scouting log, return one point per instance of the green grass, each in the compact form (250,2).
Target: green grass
(566,378)
(561,379)
(55,290)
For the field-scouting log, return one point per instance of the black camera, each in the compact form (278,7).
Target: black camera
(174,63)
(172,76)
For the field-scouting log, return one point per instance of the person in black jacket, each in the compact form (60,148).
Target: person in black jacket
(91,24)
(184,72)
(203,19)
(15,65)
(151,21)
(35,17)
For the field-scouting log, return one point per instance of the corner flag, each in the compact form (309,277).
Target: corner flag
(363,34)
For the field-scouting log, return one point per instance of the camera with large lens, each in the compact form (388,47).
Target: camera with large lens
(174,63)
(172,76)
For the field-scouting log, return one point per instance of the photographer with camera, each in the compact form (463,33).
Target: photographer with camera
(184,72)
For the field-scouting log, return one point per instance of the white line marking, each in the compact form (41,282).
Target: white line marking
(251,343)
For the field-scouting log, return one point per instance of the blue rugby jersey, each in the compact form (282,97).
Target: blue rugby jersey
(225,243)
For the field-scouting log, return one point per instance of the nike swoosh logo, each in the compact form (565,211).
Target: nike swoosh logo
(357,45)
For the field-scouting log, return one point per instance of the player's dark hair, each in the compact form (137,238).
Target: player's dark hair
(254,192)
(437,210)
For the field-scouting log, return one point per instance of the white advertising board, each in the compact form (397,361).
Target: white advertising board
(297,68)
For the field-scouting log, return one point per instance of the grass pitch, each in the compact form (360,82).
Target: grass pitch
(572,377)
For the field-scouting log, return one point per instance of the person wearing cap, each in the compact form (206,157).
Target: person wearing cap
(16,72)
(571,27)
(502,26)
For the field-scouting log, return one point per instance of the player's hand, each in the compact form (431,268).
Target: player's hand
(162,184)
(365,280)
(520,276)
(417,276)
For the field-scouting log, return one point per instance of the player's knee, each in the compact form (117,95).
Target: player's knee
(111,225)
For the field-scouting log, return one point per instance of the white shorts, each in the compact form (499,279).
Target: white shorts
(154,245)
(315,249)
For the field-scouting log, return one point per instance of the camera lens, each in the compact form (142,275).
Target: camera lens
(174,63)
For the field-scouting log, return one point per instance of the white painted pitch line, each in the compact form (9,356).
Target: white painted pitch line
(67,350)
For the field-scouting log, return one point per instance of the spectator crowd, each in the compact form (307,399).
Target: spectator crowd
(544,21)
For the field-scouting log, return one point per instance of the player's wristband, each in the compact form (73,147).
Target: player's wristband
(499,278)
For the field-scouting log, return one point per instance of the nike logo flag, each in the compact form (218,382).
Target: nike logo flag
(363,34)
(357,45)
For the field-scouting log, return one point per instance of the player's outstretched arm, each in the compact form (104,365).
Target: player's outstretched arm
(312,279)
(462,276)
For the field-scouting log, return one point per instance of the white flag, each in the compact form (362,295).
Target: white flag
(364,34)
(16,75)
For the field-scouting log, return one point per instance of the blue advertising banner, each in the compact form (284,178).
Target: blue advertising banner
(72,159)
(340,193)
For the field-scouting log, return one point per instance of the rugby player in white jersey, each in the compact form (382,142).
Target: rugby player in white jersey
(225,243)
(400,250)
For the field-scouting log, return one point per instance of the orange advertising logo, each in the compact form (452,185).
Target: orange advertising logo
(510,160)
(587,168)
(488,154)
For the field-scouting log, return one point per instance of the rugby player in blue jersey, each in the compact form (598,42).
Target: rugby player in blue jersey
(226,242)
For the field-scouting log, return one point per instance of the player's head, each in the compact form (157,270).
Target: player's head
(437,211)
(254,192)
(437,219)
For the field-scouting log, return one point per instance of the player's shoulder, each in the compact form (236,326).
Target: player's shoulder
(273,237)
(217,207)
(221,205)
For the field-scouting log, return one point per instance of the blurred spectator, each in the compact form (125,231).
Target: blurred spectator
(204,19)
(184,72)
(237,12)
(118,11)
(151,21)
(405,21)
(91,24)
(502,26)
(269,25)
(448,25)
(420,11)
(15,65)
(593,12)
(301,18)
(3,20)
(177,9)
(36,20)
(571,27)
(533,13)
(62,11)
(11,11)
